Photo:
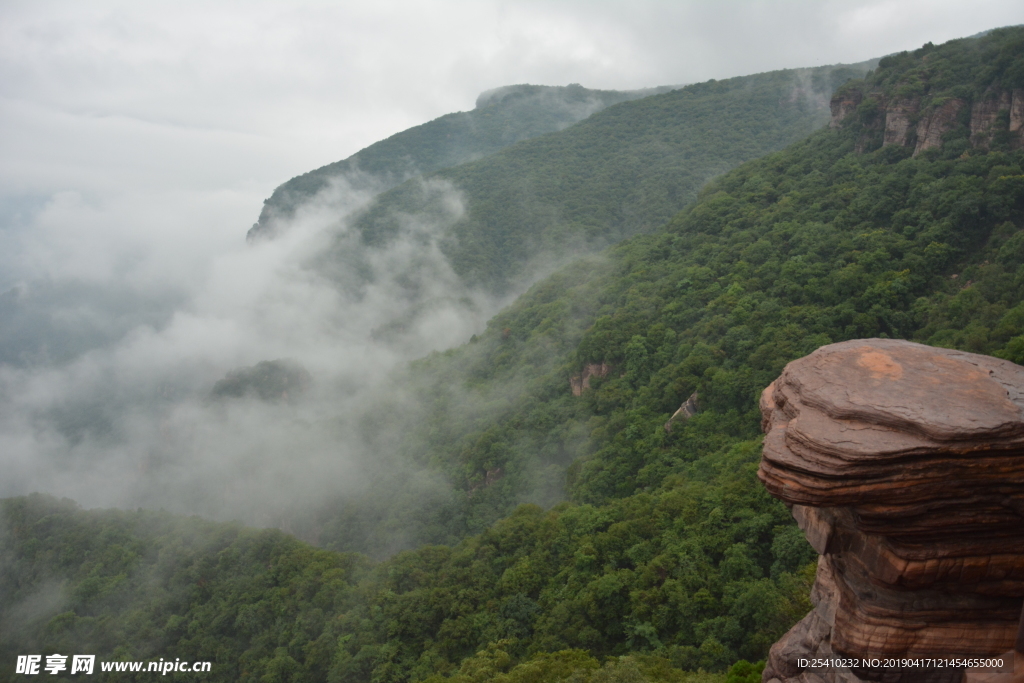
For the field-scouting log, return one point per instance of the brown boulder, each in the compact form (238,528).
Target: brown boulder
(904,466)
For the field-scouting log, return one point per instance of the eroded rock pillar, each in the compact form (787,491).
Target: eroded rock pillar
(904,466)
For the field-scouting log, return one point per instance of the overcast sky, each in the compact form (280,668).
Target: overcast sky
(203,108)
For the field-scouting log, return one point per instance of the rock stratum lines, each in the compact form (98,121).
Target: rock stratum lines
(904,466)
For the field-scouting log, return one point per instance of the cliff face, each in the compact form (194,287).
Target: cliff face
(970,91)
(579,383)
(904,466)
(903,122)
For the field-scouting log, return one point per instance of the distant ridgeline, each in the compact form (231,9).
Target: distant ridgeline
(668,554)
(502,116)
(622,171)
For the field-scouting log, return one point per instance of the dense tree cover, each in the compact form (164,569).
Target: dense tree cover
(806,247)
(541,596)
(813,245)
(145,585)
(967,68)
(668,555)
(502,116)
(270,380)
(623,171)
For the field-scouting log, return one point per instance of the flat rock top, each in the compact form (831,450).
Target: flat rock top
(943,394)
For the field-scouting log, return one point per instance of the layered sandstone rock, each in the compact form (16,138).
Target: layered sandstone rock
(904,466)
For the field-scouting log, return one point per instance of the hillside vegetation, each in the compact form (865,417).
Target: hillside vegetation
(623,171)
(502,116)
(810,246)
(668,554)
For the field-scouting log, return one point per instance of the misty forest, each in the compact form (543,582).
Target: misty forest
(498,420)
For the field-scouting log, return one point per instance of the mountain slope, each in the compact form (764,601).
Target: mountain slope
(623,171)
(502,116)
(814,245)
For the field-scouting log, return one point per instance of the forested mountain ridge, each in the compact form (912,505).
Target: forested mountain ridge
(622,171)
(669,554)
(501,117)
(919,100)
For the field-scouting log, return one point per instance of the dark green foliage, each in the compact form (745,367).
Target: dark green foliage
(745,672)
(623,171)
(958,68)
(804,248)
(145,585)
(970,70)
(637,576)
(810,246)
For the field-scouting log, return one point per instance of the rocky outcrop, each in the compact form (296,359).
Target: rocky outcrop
(940,121)
(903,121)
(904,466)
(582,381)
(842,105)
(688,409)
(900,121)
(1016,112)
(1001,110)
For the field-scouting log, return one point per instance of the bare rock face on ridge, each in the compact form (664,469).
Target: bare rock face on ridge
(904,466)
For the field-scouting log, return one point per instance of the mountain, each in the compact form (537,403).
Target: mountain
(626,382)
(502,117)
(831,242)
(624,170)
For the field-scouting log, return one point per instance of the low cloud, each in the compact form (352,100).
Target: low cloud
(133,421)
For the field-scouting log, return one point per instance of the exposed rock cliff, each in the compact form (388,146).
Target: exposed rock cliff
(903,121)
(969,90)
(904,466)
(936,123)
(688,409)
(582,381)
